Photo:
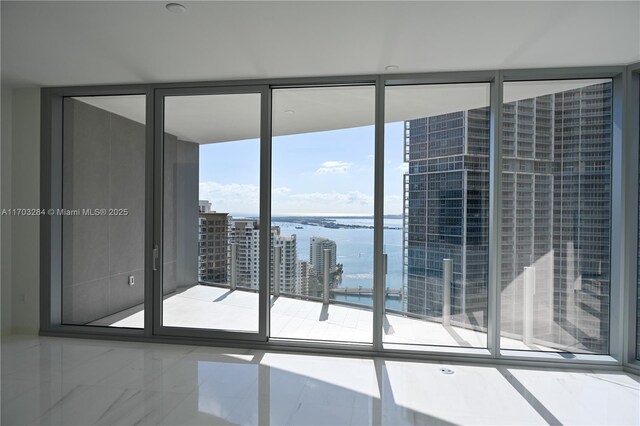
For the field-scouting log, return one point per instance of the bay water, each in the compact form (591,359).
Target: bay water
(354,248)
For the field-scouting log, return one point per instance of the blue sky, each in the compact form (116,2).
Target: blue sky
(320,173)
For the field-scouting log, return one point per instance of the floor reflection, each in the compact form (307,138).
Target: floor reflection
(269,390)
(72,381)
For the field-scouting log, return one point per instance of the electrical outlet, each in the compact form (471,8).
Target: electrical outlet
(131,280)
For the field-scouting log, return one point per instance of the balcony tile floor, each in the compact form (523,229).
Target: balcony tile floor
(211,307)
(218,308)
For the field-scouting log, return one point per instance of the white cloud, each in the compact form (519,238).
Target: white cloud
(280,190)
(393,204)
(335,164)
(403,167)
(334,167)
(231,198)
(393,198)
(319,203)
(245,198)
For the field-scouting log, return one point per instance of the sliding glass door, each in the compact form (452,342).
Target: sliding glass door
(212,230)
(322,213)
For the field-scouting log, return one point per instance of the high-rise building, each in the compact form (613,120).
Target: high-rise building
(308,280)
(556,216)
(582,217)
(302,277)
(555,226)
(212,247)
(316,253)
(244,246)
(204,206)
(527,212)
(446,213)
(244,238)
(289,278)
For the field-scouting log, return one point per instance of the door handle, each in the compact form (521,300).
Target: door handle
(156,255)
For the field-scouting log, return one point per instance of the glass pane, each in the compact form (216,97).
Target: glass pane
(436,214)
(322,213)
(104,213)
(211,212)
(556,210)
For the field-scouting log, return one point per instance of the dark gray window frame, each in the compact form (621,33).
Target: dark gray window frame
(632,142)
(51,196)
(51,186)
(265,208)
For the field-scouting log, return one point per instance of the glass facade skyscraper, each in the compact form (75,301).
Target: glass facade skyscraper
(446,213)
(555,229)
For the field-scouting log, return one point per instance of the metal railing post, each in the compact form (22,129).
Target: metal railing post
(447,278)
(277,251)
(234,266)
(529,289)
(325,275)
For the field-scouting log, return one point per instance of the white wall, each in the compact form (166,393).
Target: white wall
(25,188)
(5,203)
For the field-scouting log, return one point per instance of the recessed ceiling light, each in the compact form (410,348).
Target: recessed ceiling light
(288,111)
(391,67)
(175,7)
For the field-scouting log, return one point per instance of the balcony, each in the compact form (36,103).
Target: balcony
(294,317)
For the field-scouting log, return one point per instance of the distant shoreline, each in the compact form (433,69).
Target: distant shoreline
(330,222)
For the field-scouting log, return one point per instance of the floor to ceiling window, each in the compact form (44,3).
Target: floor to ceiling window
(436,205)
(556,215)
(211,211)
(263,211)
(322,213)
(103,210)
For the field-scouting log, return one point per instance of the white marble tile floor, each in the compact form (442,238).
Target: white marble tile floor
(61,381)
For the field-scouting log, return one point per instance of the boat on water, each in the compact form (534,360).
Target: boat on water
(299,227)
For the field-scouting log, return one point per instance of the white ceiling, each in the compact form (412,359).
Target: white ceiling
(92,42)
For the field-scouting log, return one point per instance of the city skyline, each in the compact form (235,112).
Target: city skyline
(229,255)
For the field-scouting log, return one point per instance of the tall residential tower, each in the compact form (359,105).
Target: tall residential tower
(212,260)
(555,229)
